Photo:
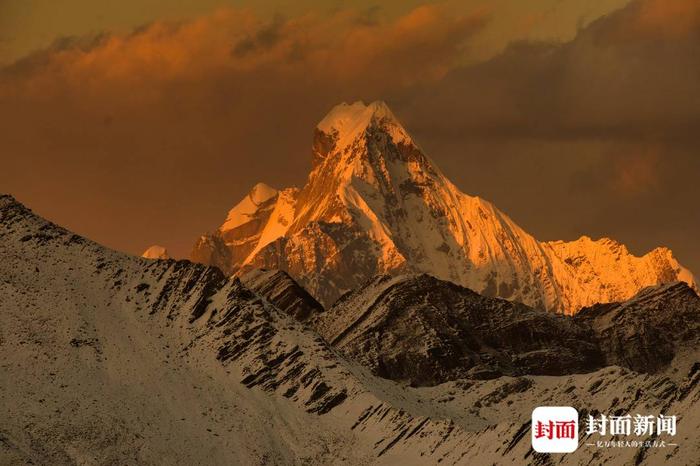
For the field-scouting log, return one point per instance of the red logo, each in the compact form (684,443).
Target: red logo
(555,429)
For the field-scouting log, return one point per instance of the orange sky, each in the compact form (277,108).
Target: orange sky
(32,24)
(574,119)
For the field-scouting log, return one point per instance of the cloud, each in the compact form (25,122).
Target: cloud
(659,20)
(342,46)
(634,74)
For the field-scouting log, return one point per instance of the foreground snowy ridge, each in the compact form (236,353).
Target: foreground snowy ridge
(374,203)
(113,359)
(122,347)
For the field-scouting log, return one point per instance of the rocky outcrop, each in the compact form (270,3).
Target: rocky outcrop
(425,331)
(210,249)
(283,292)
(646,332)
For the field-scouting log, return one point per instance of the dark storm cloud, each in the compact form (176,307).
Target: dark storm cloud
(369,16)
(39,60)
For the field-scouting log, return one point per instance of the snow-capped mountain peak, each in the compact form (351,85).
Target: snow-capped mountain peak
(156,252)
(375,203)
(348,120)
(243,212)
(342,126)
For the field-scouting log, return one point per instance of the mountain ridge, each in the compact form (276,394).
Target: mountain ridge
(374,203)
(115,359)
(134,356)
(425,331)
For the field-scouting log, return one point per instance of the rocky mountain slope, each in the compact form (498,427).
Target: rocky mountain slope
(374,203)
(424,331)
(646,332)
(282,291)
(112,359)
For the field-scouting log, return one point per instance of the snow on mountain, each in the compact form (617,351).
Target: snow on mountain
(156,252)
(279,221)
(248,209)
(107,358)
(115,359)
(345,123)
(374,203)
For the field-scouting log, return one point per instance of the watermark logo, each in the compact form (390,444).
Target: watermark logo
(646,431)
(555,429)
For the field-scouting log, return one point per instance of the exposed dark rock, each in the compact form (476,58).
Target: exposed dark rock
(282,291)
(644,333)
(425,331)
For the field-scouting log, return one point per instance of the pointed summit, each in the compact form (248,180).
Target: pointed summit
(261,192)
(261,217)
(348,118)
(375,203)
(342,126)
(245,211)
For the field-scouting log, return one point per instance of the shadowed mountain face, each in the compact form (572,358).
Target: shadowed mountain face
(112,359)
(646,332)
(426,331)
(375,204)
(282,291)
